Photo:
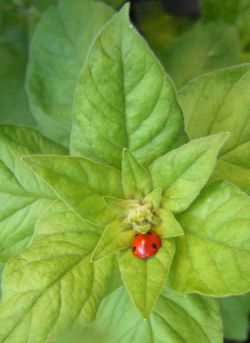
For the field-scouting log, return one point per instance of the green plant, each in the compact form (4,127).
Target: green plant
(69,213)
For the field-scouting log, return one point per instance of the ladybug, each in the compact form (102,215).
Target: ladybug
(145,245)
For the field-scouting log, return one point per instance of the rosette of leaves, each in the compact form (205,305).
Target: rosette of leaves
(130,169)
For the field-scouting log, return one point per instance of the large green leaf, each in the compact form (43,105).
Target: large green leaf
(124,99)
(23,196)
(58,50)
(144,278)
(183,172)
(219,10)
(176,318)
(81,183)
(220,102)
(210,45)
(213,255)
(235,315)
(53,284)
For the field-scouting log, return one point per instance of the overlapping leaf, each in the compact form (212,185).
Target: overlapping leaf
(211,45)
(176,319)
(144,278)
(217,102)
(58,50)
(213,255)
(23,196)
(124,100)
(54,279)
(81,183)
(183,172)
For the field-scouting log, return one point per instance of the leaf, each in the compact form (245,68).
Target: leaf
(14,104)
(115,237)
(144,278)
(213,256)
(135,178)
(169,227)
(23,196)
(219,10)
(235,313)
(53,279)
(58,51)
(211,45)
(120,207)
(243,23)
(220,102)
(176,318)
(154,198)
(124,100)
(79,182)
(183,172)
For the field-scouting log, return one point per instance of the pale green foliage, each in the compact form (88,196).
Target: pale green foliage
(135,179)
(58,51)
(169,226)
(23,196)
(115,237)
(144,278)
(53,284)
(124,100)
(198,320)
(220,102)
(85,213)
(82,183)
(183,172)
(214,252)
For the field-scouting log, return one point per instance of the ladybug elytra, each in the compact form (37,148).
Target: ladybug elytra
(145,245)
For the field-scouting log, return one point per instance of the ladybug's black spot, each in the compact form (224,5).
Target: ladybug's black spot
(137,234)
(149,233)
(154,246)
(134,249)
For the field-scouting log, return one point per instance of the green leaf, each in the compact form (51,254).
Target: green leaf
(235,314)
(183,172)
(53,279)
(13,100)
(169,227)
(220,102)
(154,198)
(115,237)
(135,178)
(81,183)
(23,195)
(213,256)
(243,23)
(144,278)
(211,45)
(176,318)
(120,207)
(124,100)
(220,10)
(58,51)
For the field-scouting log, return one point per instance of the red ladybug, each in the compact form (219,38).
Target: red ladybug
(145,245)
